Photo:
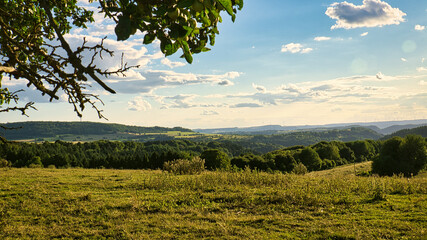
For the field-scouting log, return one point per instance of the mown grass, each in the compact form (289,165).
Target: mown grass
(132,204)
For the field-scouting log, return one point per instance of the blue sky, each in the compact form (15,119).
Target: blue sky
(281,62)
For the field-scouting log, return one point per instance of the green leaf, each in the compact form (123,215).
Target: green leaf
(164,44)
(149,38)
(239,3)
(177,31)
(171,48)
(187,52)
(227,5)
(206,21)
(123,28)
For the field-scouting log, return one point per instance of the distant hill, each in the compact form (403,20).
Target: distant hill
(396,128)
(42,130)
(386,127)
(265,140)
(422,131)
(266,143)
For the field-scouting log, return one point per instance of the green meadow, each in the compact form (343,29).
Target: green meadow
(138,204)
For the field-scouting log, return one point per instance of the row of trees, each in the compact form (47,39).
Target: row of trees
(320,156)
(108,154)
(397,155)
(152,155)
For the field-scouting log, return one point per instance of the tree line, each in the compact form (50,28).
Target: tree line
(397,155)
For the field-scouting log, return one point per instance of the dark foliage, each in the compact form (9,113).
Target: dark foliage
(215,159)
(401,156)
(153,155)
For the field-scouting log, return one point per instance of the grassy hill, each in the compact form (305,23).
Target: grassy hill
(135,204)
(87,131)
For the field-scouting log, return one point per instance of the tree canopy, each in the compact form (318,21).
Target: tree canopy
(33,46)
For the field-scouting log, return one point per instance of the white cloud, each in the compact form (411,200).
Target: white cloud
(423,83)
(347,91)
(259,88)
(246,105)
(133,52)
(295,48)
(138,104)
(319,39)
(171,64)
(209,113)
(180,101)
(364,34)
(372,13)
(232,75)
(404,59)
(421,69)
(306,50)
(225,82)
(419,27)
(155,79)
(292,47)
(379,75)
(422,60)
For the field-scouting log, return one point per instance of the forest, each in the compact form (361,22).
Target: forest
(153,155)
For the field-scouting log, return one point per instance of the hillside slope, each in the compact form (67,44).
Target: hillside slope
(422,131)
(33,130)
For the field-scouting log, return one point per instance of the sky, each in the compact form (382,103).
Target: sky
(282,62)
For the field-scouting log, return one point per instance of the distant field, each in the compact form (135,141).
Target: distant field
(124,137)
(135,204)
(344,170)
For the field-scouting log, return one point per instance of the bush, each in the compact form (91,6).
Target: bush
(216,159)
(4,163)
(285,162)
(35,162)
(300,169)
(310,159)
(184,166)
(405,156)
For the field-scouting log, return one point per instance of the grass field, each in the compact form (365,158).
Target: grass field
(131,204)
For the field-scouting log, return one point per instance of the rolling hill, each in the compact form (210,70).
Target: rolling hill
(81,131)
(422,131)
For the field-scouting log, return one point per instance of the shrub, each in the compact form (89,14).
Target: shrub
(32,165)
(363,150)
(35,162)
(300,169)
(310,159)
(184,166)
(4,163)
(51,166)
(216,159)
(328,164)
(285,162)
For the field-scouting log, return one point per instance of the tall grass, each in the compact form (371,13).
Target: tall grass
(125,204)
